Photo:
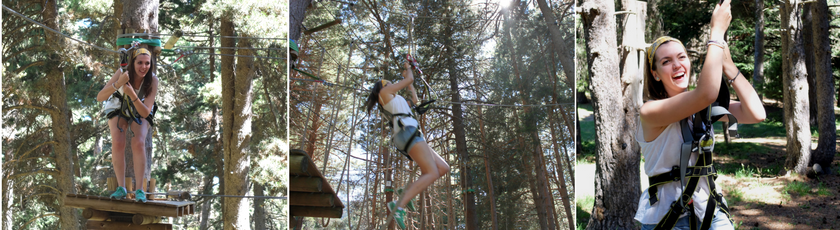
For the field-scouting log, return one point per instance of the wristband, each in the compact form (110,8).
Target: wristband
(115,87)
(716,44)
(736,77)
(720,43)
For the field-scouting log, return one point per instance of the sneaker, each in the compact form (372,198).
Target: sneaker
(140,196)
(399,217)
(119,194)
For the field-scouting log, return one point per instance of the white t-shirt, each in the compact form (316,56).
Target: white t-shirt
(661,155)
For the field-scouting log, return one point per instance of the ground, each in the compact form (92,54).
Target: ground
(752,178)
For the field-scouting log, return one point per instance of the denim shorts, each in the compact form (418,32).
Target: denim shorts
(403,141)
(720,222)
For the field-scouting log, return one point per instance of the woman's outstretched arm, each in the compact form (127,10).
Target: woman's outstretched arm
(750,109)
(660,113)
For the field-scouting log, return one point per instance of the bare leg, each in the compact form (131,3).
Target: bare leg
(138,150)
(431,166)
(118,148)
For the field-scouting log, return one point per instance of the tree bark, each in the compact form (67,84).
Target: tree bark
(807,35)
(68,217)
(827,143)
(758,70)
(795,89)
(8,192)
(142,17)
(236,120)
(297,11)
(259,207)
(617,164)
(205,207)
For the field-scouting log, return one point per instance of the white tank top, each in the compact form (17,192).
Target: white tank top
(399,105)
(661,155)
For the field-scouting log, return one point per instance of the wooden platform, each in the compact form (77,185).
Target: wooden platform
(150,208)
(310,193)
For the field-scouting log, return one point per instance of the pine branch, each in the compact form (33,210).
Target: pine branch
(42,108)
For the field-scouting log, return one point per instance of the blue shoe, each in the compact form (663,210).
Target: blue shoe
(140,196)
(119,194)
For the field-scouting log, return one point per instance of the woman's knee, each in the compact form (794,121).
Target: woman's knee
(138,143)
(443,169)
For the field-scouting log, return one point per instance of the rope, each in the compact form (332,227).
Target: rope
(247,197)
(233,48)
(441,101)
(234,55)
(196,35)
(56,31)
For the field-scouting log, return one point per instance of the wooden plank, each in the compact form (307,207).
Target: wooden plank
(96,225)
(316,211)
(305,184)
(151,208)
(312,199)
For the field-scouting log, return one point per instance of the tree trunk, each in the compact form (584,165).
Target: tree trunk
(617,165)
(487,171)
(827,144)
(807,35)
(236,120)
(458,130)
(758,70)
(259,207)
(205,207)
(566,57)
(68,217)
(142,17)
(297,11)
(795,89)
(8,192)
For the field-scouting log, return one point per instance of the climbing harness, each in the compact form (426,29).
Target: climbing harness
(697,133)
(411,131)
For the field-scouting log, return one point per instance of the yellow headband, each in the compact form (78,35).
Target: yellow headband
(142,51)
(383,82)
(658,42)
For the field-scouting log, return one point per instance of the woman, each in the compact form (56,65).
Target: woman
(407,138)
(131,102)
(669,102)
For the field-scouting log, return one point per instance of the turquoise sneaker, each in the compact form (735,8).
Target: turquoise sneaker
(119,194)
(140,196)
(399,214)
(399,217)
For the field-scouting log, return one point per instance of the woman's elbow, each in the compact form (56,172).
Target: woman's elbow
(760,116)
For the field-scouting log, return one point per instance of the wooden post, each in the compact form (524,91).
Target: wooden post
(151,188)
(111,183)
(306,184)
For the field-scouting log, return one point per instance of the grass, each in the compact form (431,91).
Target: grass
(797,187)
(584,203)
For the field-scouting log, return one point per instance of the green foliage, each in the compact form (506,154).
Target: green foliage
(584,206)
(685,20)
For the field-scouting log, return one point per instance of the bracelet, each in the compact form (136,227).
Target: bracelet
(716,44)
(135,99)
(736,77)
(720,43)
(115,87)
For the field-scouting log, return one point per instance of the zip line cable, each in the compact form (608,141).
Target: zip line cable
(196,35)
(56,31)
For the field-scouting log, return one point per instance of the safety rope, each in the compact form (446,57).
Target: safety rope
(56,31)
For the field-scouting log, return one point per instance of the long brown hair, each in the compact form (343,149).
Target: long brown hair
(147,82)
(373,97)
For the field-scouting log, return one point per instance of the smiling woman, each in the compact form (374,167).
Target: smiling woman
(131,100)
